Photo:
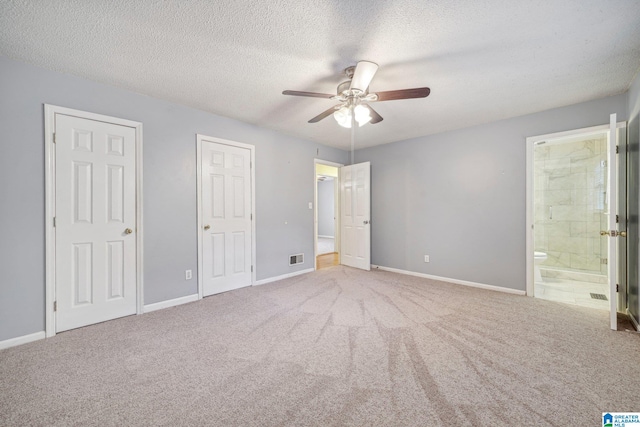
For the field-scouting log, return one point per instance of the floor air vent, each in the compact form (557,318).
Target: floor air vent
(599,296)
(296,259)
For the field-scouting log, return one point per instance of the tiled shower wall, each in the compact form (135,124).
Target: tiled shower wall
(570,203)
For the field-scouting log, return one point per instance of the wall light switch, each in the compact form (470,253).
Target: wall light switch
(187,275)
(426,258)
(310,205)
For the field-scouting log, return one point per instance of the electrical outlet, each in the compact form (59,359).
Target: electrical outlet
(187,275)
(426,258)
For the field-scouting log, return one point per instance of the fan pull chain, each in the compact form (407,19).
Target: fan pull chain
(353,135)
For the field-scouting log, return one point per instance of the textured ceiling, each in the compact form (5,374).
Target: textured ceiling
(483,60)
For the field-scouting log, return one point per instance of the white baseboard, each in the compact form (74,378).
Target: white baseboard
(633,321)
(169,303)
(326,237)
(284,276)
(447,279)
(22,340)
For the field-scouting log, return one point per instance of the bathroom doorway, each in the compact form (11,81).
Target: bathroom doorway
(326,229)
(570,213)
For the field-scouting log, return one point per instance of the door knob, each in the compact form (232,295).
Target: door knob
(128,231)
(622,234)
(365,222)
(206,227)
(604,233)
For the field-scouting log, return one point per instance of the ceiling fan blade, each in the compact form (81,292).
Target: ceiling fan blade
(390,95)
(375,117)
(362,76)
(324,114)
(311,94)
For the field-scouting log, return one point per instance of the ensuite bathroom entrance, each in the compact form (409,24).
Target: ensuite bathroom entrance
(577,217)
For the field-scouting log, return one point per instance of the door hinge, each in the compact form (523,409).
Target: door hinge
(617,149)
(252,268)
(54,222)
(617,287)
(54,137)
(617,219)
(55,306)
(251,217)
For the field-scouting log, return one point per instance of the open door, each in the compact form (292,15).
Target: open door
(612,226)
(623,217)
(355,224)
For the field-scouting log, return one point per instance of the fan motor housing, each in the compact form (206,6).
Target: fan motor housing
(349,71)
(343,87)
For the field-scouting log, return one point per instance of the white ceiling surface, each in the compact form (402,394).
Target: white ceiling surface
(483,60)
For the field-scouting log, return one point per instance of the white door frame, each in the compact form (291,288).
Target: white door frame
(199,140)
(336,196)
(50,112)
(530,143)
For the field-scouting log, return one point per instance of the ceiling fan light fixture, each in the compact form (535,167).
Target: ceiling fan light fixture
(363,115)
(354,97)
(343,116)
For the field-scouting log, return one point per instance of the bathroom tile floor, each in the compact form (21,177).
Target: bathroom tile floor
(572,292)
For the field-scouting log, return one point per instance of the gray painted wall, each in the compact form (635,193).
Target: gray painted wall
(633,200)
(326,208)
(284,187)
(634,97)
(460,196)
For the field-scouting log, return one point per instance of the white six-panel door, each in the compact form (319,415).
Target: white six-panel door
(355,198)
(226,205)
(95,221)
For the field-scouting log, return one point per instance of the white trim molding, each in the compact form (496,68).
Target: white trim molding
(12,342)
(284,276)
(252,149)
(449,280)
(50,112)
(170,303)
(633,321)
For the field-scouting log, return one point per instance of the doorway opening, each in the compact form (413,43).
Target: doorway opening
(326,228)
(576,217)
(570,210)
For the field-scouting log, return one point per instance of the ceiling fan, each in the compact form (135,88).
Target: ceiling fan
(354,97)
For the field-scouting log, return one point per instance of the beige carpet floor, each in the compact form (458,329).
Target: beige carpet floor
(331,348)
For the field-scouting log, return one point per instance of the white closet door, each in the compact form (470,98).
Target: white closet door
(226,217)
(355,197)
(95,221)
